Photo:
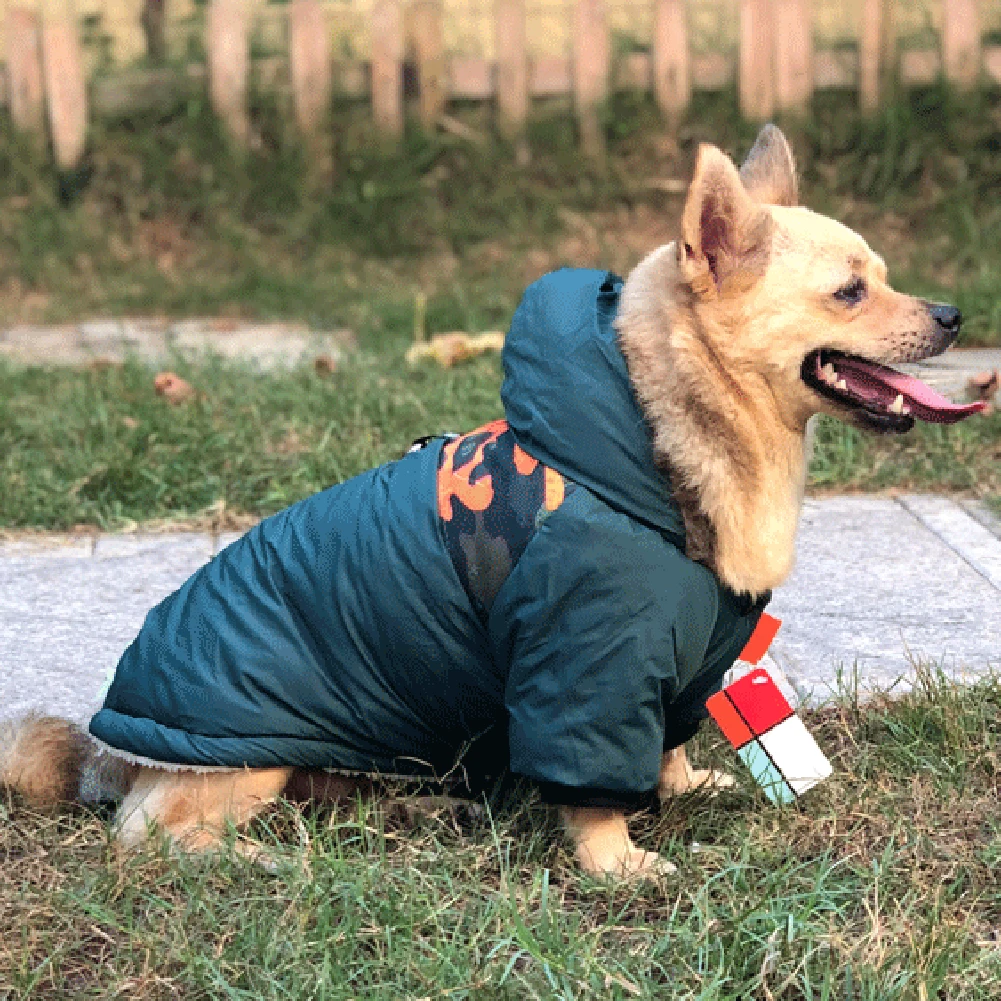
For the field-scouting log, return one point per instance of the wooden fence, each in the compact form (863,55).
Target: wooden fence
(777,67)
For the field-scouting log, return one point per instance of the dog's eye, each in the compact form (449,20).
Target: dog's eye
(852,293)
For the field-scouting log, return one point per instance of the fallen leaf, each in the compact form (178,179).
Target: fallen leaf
(130,422)
(165,263)
(983,385)
(460,129)
(173,388)
(325,364)
(448,349)
(669,185)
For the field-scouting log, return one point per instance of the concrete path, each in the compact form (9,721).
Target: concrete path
(155,341)
(277,345)
(880,583)
(949,372)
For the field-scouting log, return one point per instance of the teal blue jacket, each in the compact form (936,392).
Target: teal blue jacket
(366,629)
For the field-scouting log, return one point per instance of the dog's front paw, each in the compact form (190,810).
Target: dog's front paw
(708,779)
(604,847)
(632,863)
(678,777)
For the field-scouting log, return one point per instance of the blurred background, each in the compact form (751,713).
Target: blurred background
(305,188)
(114,36)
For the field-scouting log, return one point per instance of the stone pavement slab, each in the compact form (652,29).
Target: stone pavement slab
(274,345)
(880,583)
(66,615)
(952,524)
(949,372)
(877,591)
(983,515)
(268,345)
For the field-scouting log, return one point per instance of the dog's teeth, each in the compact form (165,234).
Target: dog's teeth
(829,374)
(897,406)
(841,384)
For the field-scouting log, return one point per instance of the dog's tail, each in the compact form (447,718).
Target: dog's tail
(48,760)
(42,758)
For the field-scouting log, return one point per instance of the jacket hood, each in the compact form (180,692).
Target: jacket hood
(568,397)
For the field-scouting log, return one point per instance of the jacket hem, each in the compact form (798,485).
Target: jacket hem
(681,734)
(561,795)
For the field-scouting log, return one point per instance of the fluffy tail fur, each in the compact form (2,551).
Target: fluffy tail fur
(49,760)
(42,758)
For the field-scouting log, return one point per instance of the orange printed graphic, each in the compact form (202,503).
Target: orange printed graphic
(455,482)
(553,489)
(523,462)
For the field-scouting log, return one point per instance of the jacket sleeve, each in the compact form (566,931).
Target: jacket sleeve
(735,621)
(601,622)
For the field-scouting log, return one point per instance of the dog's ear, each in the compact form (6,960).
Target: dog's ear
(724,232)
(769,172)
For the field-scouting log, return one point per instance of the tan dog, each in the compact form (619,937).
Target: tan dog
(761,315)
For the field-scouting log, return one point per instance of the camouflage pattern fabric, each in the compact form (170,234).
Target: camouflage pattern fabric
(492,496)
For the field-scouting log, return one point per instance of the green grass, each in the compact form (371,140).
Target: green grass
(882,886)
(100,447)
(164,217)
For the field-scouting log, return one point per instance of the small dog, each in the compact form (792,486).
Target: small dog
(556,593)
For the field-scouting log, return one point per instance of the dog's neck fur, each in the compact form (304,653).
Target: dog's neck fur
(737,470)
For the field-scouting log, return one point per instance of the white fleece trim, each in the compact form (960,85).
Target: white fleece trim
(102,749)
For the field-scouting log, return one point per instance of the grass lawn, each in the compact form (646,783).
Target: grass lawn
(164,218)
(881,886)
(167,220)
(101,448)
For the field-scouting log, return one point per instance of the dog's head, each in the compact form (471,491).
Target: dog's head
(783,294)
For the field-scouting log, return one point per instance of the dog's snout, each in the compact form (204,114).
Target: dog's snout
(947,317)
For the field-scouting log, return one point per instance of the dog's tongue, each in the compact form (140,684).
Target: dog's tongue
(879,384)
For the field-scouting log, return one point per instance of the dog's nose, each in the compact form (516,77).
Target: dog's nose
(947,317)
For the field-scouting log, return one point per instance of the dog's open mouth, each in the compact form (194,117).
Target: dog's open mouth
(881,397)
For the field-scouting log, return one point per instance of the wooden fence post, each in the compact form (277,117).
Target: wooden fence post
(24,71)
(310,69)
(387,67)
(311,76)
(961,43)
(228,49)
(154,25)
(512,66)
(793,54)
(672,84)
(429,46)
(65,89)
(755,73)
(871,41)
(590,72)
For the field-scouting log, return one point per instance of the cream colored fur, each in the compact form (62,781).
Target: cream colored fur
(715,328)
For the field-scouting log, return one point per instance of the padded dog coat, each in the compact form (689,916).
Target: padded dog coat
(516,597)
